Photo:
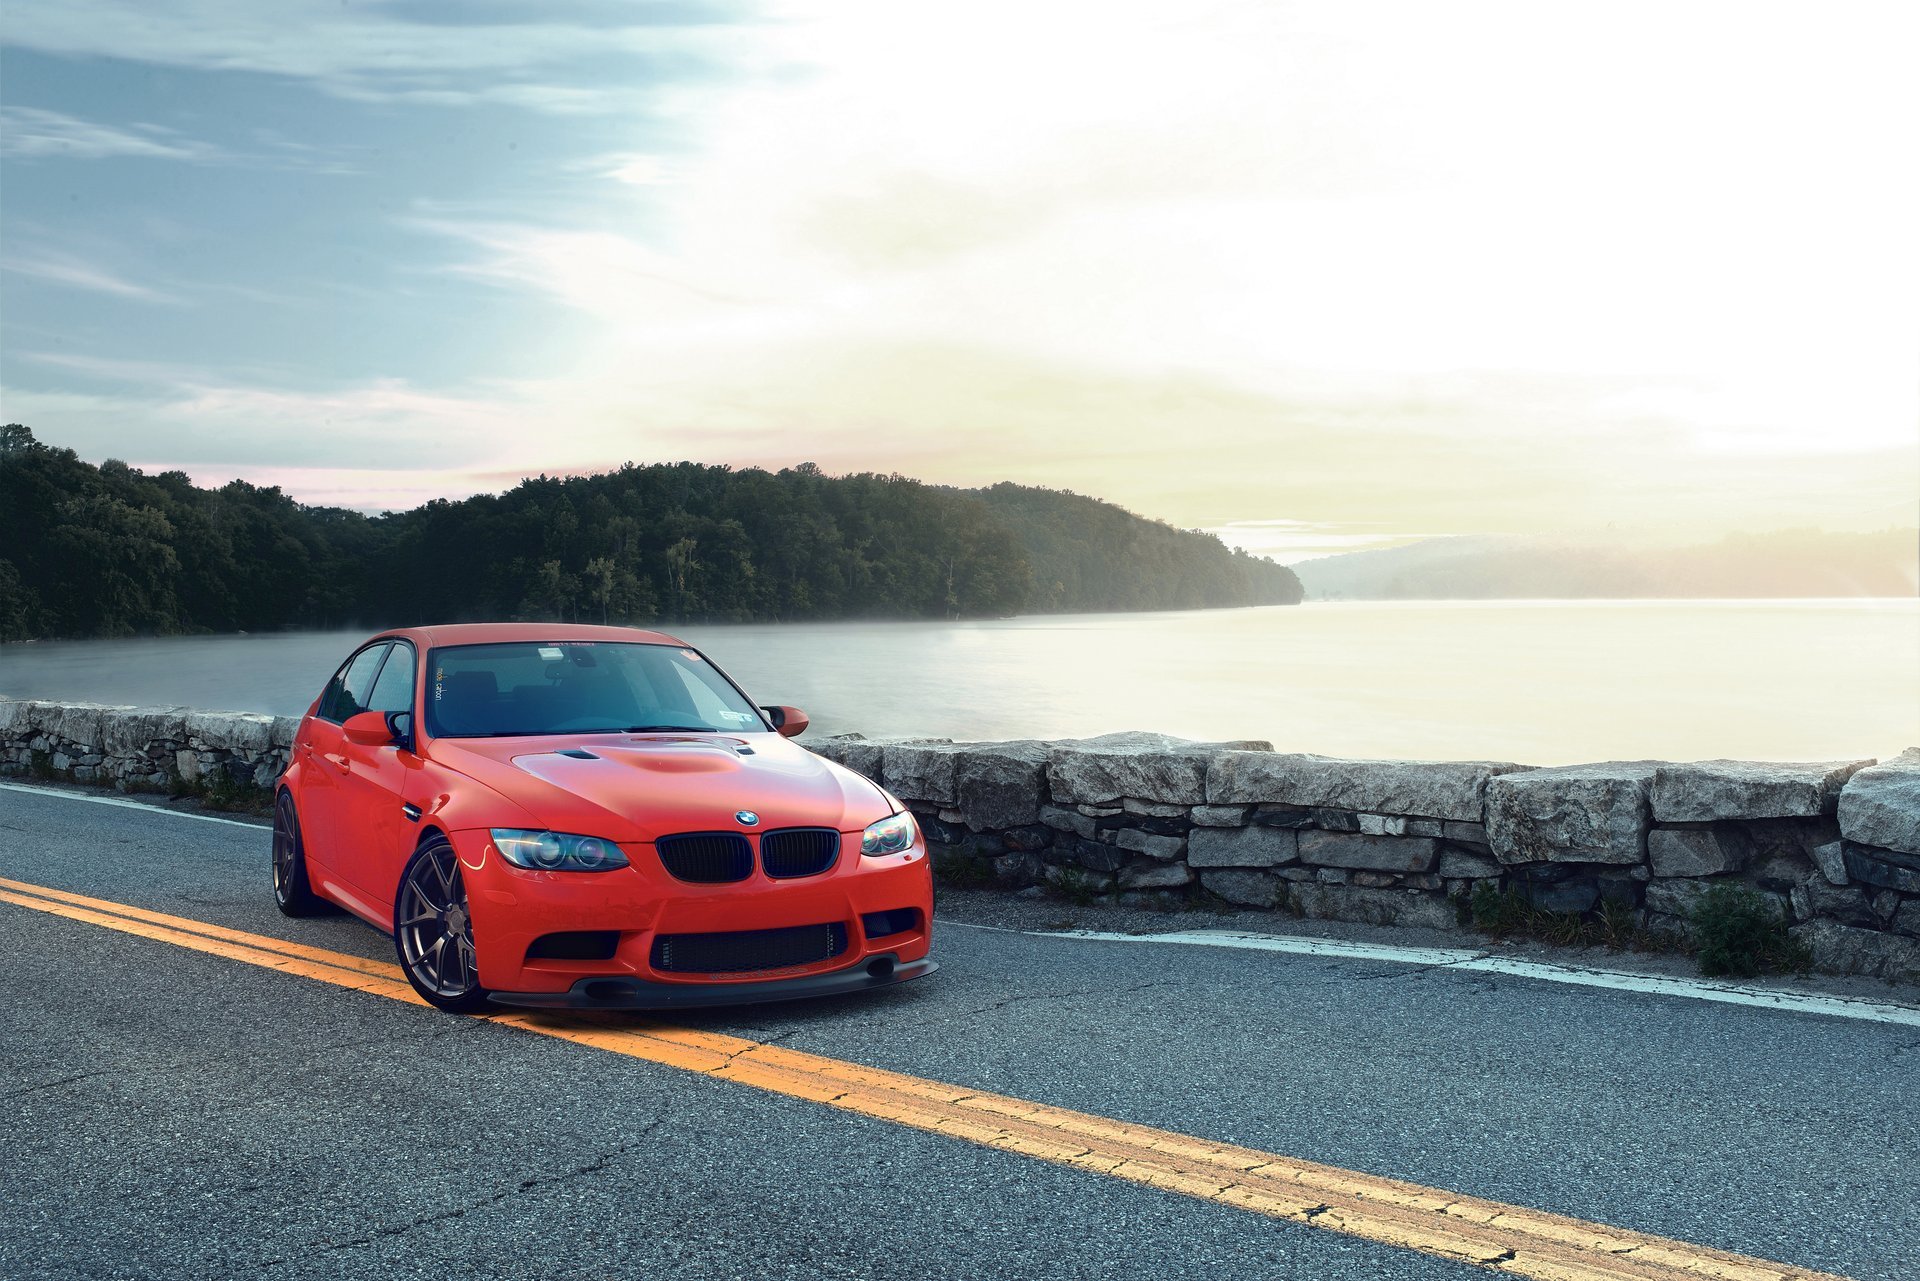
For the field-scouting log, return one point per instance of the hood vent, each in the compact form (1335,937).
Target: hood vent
(578,754)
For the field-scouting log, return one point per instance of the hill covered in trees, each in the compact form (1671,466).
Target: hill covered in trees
(1783,563)
(109,550)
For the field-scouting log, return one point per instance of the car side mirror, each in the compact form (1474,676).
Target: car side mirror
(369,729)
(791,722)
(400,725)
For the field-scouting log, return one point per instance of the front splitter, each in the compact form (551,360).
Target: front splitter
(616,992)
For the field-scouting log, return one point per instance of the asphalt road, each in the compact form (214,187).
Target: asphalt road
(165,1113)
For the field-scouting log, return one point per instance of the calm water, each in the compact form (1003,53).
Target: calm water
(1546,682)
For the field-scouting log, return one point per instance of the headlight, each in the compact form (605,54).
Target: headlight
(556,851)
(889,836)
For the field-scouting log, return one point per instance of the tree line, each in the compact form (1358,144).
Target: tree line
(109,550)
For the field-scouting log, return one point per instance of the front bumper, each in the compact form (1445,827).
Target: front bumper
(514,907)
(619,993)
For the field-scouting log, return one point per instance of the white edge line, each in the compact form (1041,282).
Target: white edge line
(142,806)
(1846,1007)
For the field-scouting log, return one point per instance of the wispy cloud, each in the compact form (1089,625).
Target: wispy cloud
(64,269)
(529,57)
(33,133)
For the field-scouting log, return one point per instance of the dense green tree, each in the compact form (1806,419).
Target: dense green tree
(109,550)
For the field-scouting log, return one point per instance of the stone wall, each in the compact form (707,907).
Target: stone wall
(1140,817)
(144,748)
(1144,817)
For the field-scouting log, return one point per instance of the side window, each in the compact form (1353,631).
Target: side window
(393,689)
(348,694)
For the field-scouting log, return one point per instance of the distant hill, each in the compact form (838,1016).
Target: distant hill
(108,550)
(1787,563)
(1090,555)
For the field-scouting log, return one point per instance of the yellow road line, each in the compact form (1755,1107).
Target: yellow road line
(1489,1234)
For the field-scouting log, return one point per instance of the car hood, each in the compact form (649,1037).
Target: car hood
(639,787)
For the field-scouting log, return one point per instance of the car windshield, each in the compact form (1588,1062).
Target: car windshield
(586,687)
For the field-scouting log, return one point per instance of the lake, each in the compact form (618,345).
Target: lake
(1544,682)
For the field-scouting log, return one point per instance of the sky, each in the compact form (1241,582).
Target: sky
(1317,276)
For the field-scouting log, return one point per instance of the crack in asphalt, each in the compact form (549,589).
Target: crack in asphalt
(1061,996)
(53,1085)
(597,1165)
(1397,971)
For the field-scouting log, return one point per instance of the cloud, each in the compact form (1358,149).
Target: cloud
(65,269)
(1392,266)
(437,54)
(33,133)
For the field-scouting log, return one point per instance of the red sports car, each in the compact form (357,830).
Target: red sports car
(591,817)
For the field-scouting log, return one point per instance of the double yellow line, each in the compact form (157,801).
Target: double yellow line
(1489,1234)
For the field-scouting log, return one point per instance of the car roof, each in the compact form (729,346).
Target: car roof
(497,633)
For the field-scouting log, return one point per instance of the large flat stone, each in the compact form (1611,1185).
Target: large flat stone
(1887,869)
(128,731)
(1571,813)
(82,723)
(1243,886)
(1707,791)
(1242,847)
(1149,843)
(1001,785)
(1409,908)
(922,770)
(1430,789)
(244,732)
(15,717)
(1678,897)
(1815,899)
(1842,949)
(1146,767)
(1458,863)
(1062,819)
(1880,805)
(1696,851)
(1154,876)
(855,751)
(1374,853)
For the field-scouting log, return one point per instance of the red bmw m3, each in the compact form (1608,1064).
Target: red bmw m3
(591,817)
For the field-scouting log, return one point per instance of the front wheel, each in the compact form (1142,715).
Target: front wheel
(291,890)
(433,931)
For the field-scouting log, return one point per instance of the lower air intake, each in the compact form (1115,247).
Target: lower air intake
(744,951)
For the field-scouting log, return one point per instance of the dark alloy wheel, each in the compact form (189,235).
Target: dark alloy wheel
(433,932)
(291,890)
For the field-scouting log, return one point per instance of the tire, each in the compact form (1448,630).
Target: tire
(433,932)
(292,892)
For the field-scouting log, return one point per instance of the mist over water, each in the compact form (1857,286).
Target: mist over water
(1544,682)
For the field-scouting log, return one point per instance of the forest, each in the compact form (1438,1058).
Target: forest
(109,550)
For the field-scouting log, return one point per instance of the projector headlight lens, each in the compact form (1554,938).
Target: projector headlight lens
(556,851)
(890,835)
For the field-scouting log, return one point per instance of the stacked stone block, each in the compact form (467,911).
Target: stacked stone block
(1143,816)
(143,748)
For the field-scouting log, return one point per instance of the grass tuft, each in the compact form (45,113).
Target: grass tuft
(1743,934)
(1506,913)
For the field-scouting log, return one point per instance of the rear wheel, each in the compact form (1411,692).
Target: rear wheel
(433,931)
(291,890)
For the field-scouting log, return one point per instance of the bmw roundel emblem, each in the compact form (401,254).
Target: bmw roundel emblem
(747,818)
